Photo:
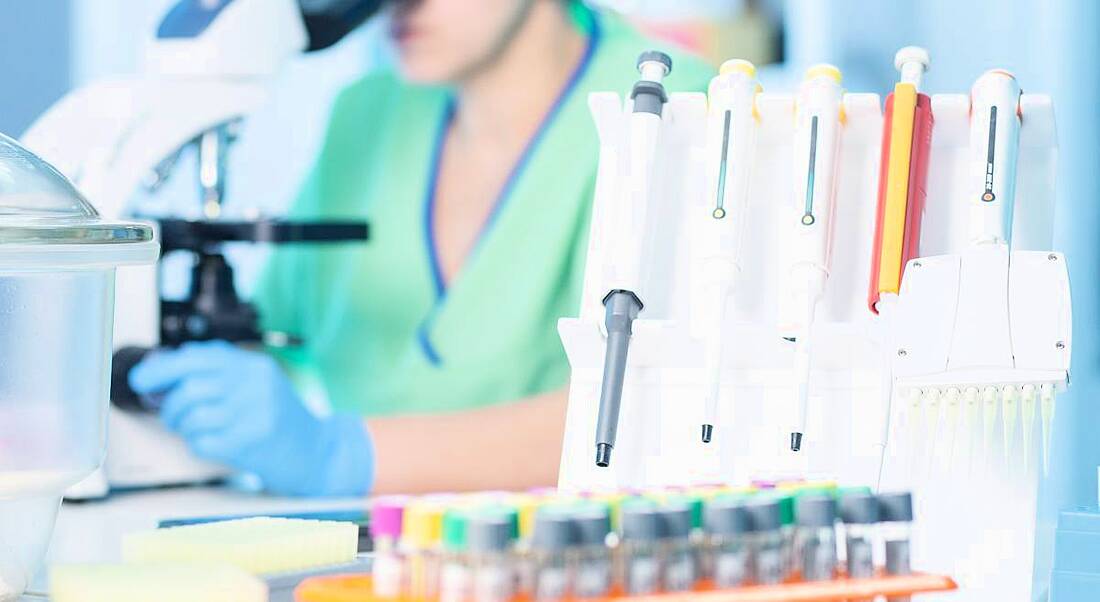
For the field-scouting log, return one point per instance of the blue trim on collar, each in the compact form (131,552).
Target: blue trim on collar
(503,196)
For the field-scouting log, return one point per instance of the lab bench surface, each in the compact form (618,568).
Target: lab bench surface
(92,531)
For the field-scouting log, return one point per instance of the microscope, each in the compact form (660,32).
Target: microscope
(208,65)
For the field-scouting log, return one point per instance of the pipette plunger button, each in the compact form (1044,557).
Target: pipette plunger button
(708,432)
(656,59)
(796,441)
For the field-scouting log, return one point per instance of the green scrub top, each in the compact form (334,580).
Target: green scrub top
(382,332)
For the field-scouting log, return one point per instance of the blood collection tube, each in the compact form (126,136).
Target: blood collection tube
(455,576)
(490,540)
(680,567)
(895,527)
(640,548)
(553,541)
(727,527)
(388,569)
(593,576)
(786,531)
(816,541)
(421,534)
(859,513)
(766,542)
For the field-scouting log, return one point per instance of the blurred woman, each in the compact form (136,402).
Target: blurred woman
(435,343)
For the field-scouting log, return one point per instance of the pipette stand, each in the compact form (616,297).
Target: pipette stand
(976,507)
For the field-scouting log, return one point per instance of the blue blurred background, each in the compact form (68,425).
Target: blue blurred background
(49,46)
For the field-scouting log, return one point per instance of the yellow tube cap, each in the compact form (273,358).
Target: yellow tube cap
(737,66)
(824,70)
(422,524)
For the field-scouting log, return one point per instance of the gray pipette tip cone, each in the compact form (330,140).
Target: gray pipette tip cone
(622,308)
(603,455)
(708,432)
(796,441)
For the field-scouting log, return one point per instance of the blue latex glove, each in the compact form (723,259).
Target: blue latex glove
(238,408)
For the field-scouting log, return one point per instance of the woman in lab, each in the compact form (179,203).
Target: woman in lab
(435,343)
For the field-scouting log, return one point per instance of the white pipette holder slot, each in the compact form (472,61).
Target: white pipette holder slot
(961,490)
(664,373)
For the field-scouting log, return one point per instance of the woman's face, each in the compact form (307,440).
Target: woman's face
(441,41)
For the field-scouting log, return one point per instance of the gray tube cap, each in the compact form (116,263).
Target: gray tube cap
(816,511)
(676,520)
(641,522)
(764,515)
(859,509)
(895,507)
(554,530)
(489,532)
(592,523)
(727,516)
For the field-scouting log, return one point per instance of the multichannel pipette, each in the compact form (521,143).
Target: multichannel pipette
(732,123)
(903,173)
(818,114)
(622,302)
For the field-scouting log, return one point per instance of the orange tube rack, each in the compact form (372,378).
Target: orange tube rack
(357,588)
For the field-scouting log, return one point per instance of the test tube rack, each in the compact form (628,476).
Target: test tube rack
(360,587)
(961,467)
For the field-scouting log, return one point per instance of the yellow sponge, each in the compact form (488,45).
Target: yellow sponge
(161,582)
(258,545)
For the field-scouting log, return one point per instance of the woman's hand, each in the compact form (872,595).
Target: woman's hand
(238,408)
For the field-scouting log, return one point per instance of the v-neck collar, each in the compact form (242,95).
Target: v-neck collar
(503,196)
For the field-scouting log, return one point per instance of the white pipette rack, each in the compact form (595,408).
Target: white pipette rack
(976,501)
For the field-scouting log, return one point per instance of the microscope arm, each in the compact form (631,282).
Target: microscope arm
(208,64)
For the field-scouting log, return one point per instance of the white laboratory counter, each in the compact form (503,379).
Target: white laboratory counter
(92,531)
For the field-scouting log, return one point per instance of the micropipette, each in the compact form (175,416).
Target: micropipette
(994,148)
(622,303)
(906,140)
(732,122)
(818,115)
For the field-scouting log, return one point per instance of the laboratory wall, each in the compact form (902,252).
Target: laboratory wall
(35,66)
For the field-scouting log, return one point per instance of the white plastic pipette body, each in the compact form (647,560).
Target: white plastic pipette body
(732,125)
(818,114)
(994,149)
(911,62)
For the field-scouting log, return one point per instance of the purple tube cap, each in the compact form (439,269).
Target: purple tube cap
(386,514)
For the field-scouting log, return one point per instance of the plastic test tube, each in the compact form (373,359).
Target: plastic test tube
(786,532)
(490,538)
(388,568)
(421,532)
(766,544)
(554,538)
(640,549)
(727,527)
(680,568)
(896,520)
(859,513)
(592,521)
(817,537)
(527,507)
(455,579)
